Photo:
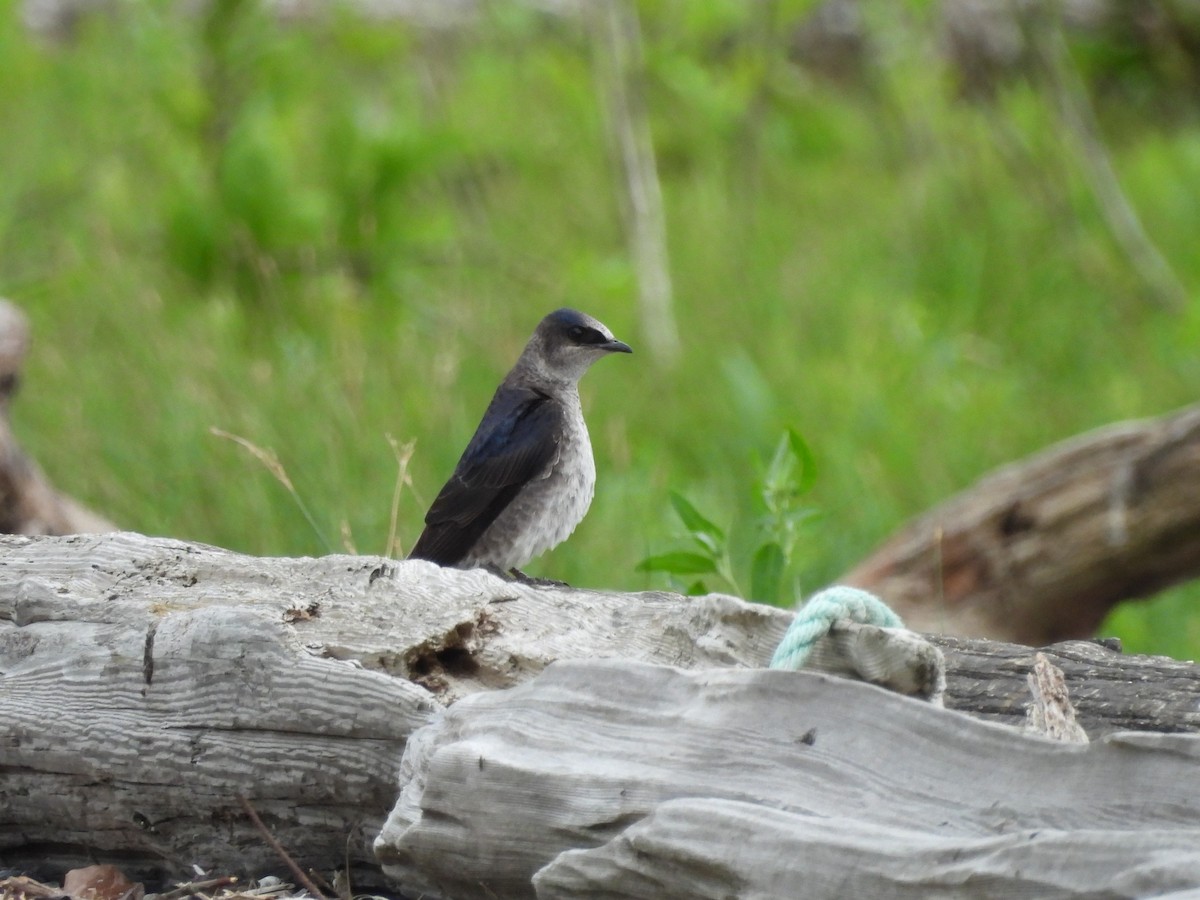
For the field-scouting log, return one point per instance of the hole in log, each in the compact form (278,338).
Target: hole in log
(458,661)
(1015,520)
(453,658)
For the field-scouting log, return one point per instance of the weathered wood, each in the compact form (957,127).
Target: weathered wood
(1042,549)
(1110,692)
(146,683)
(1051,713)
(29,503)
(606,778)
(768,853)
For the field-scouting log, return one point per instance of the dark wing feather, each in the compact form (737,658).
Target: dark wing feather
(514,443)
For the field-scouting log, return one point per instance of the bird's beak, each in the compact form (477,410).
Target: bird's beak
(615,346)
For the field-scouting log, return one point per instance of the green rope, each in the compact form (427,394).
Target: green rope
(819,614)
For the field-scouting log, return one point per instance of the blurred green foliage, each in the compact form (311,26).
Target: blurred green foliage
(318,234)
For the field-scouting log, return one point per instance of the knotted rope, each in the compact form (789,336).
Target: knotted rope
(818,615)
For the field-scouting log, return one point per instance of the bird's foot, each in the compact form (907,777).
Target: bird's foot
(516,575)
(519,576)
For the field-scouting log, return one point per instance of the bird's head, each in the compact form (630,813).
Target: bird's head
(567,342)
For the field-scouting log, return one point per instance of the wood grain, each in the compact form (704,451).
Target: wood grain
(145,683)
(605,778)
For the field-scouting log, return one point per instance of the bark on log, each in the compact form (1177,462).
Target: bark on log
(1042,549)
(29,503)
(146,683)
(1110,692)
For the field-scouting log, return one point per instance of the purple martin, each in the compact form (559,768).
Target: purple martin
(527,477)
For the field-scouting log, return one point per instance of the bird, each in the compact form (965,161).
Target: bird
(527,477)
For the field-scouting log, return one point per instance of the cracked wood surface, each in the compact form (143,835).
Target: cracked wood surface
(146,683)
(606,779)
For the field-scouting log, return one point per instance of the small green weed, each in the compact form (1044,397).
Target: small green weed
(776,562)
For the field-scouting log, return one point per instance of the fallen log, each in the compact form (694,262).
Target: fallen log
(610,779)
(1041,549)
(147,684)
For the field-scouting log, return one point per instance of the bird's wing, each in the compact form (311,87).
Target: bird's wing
(515,443)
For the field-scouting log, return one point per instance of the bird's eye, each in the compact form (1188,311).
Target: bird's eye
(582,334)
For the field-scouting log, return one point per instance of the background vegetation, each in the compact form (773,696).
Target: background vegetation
(318,234)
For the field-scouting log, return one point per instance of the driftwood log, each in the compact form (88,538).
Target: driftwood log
(147,684)
(1043,548)
(614,779)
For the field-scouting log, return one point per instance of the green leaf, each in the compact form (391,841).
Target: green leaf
(779,471)
(797,517)
(697,589)
(708,542)
(790,474)
(694,522)
(765,573)
(679,563)
(804,459)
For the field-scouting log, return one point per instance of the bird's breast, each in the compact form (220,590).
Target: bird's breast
(548,508)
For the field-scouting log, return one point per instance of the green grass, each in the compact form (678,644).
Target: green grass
(315,236)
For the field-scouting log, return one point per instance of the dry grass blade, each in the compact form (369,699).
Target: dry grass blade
(271,461)
(403,454)
(264,455)
(348,538)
